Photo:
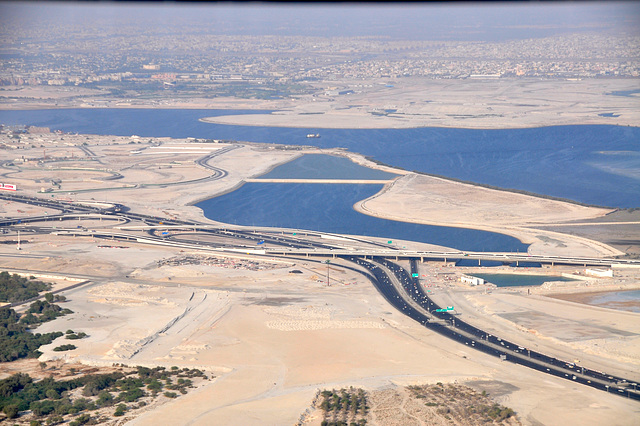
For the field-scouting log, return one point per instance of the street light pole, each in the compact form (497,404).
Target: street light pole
(327,262)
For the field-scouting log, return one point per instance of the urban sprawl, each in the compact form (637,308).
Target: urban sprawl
(272,67)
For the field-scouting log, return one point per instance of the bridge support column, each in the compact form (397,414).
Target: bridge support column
(334,255)
(517,263)
(396,258)
(479,262)
(421,259)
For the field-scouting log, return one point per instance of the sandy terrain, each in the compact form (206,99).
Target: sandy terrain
(500,103)
(428,200)
(402,103)
(274,338)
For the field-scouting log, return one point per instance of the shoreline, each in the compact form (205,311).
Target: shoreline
(235,120)
(506,103)
(586,297)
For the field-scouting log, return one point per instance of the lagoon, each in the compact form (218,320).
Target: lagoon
(329,208)
(517,280)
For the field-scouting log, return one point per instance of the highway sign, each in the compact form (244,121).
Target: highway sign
(415,275)
(449,308)
(390,242)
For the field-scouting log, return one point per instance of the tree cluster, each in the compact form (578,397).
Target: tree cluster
(14,288)
(52,399)
(16,341)
(343,407)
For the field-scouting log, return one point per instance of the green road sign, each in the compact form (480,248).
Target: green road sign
(414,275)
(389,242)
(449,308)
(441,310)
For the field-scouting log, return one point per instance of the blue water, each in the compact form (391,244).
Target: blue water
(329,208)
(625,93)
(320,166)
(514,280)
(623,300)
(571,162)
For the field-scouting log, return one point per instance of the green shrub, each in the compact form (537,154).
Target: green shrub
(11,411)
(120,409)
(63,348)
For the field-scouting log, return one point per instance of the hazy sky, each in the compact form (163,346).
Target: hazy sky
(454,20)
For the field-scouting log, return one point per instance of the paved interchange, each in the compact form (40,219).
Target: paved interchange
(397,285)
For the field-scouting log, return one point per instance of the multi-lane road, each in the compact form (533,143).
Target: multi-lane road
(406,295)
(398,286)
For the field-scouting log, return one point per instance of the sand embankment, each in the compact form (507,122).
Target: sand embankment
(479,104)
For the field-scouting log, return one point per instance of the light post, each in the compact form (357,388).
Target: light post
(327,262)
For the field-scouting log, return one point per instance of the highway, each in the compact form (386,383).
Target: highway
(397,285)
(384,271)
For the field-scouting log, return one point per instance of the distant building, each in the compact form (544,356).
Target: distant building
(34,129)
(471,280)
(487,76)
(601,273)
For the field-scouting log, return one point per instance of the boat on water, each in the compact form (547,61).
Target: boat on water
(313,135)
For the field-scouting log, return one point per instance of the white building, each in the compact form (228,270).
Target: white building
(601,273)
(471,280)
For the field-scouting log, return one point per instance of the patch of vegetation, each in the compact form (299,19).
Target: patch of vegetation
(63,348)
(16,339)
(72,335)
(14,288)
(462,404)
(52,401)
(343,407)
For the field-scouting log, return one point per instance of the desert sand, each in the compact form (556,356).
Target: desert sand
(383,103)
(504,103)
(273,338)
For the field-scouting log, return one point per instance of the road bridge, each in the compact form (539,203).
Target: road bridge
(446,256)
